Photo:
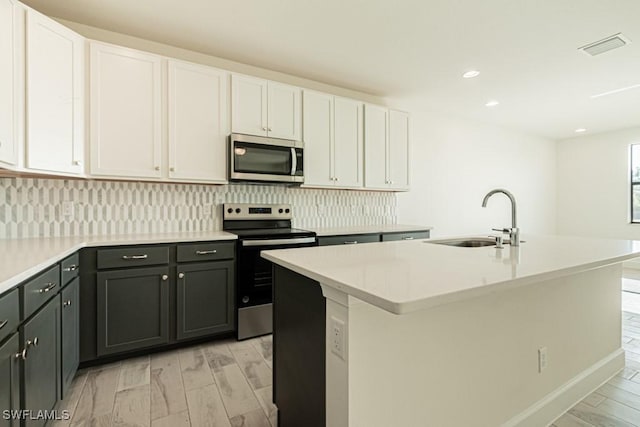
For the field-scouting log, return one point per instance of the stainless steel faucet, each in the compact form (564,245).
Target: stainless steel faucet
(514,231)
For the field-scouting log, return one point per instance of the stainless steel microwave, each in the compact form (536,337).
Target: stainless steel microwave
(258,158)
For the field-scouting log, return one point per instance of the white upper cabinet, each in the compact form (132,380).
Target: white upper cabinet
(55,96)
(376,123)
(198,122)
(386,148)
(126,112)
(318,139)
(10,83)
(398,150)
(264,108)
(332,141)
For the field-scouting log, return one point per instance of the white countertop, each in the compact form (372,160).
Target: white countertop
(366,229)
(22,258)
(406,276)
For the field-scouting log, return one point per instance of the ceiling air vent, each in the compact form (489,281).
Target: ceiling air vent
(605,45)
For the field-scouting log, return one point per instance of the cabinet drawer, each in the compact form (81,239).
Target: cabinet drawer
(411,235)
(40,289)
(132,256)
(70,268)
(348,239)
(9,313)
(206,251)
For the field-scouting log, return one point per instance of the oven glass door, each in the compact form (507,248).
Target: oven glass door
(255,277)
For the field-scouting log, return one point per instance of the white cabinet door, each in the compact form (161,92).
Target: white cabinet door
(318,138)
(284,115)
(375,146)
(126,106)
(398,150)
(55,96)
(248,105)
(198,122)
(9,83)
(347,142)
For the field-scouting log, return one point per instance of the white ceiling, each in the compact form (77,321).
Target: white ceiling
(526,50)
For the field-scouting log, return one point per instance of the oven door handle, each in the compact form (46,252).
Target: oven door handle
(277,242)
(294,161)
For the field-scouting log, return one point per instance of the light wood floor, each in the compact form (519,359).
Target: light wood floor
(223,383)
(228,383)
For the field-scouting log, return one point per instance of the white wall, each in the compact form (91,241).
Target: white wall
(593,185)
(455,162)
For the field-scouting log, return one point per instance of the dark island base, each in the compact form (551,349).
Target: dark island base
(298,350)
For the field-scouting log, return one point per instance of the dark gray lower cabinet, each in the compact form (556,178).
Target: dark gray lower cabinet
(70,316)
(10,381)
(132,309)
(205,299)
(41,341)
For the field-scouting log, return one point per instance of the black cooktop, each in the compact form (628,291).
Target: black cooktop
(268,233)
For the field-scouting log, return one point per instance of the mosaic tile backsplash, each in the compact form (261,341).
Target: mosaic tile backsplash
(56,207)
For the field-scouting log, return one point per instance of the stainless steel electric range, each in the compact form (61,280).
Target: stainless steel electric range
(259,227)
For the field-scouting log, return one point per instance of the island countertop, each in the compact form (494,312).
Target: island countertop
(406,276)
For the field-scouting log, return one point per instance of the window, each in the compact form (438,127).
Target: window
(635,183)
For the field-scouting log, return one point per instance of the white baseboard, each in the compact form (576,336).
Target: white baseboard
(549,408)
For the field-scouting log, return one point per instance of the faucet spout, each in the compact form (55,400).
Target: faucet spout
(514,233)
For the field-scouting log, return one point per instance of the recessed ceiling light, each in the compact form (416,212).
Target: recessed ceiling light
(492,103)
(471,73)
(580,130)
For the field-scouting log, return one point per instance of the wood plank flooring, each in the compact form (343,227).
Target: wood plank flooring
(222,383)
(228,383)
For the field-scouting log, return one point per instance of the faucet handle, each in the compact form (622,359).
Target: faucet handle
(502,230)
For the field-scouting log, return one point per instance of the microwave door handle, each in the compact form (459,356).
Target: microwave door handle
(294,161)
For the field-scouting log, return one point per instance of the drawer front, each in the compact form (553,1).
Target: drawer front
(70,268)
(206,251)
(9,313)
(349,239)
(39,290)
(132,256)
(412,235)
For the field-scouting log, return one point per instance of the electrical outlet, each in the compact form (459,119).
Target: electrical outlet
(67,209)
(337,337)
(542,359)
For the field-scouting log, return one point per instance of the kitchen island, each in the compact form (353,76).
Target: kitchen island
(417,333)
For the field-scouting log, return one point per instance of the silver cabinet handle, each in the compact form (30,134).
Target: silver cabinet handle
(49,287)
(213,251)
(127,257)
(407,238)
(264,128)
(165,277)
(72,267)
(157,168)
(269,129)
(35,342)
(66,303)
(22,355)
(77,163)
(172,169)
(4,323)
(180,275)
(350,242)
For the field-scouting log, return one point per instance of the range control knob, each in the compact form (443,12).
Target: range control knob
(238,210)
(280,210)
(245,299)
(287,210)
(230,210)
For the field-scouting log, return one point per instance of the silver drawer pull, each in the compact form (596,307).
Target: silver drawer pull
(206,252)
(72,267)
(165,277)
(22,355)
(350,242)
(127,257)
(407,238)
(35,342)
(180,275)
(66,303)
(3,324)
(49,287)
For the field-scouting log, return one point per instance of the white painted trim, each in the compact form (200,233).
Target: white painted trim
(556,403)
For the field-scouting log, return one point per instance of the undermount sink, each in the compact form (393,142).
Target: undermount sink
(466,242)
